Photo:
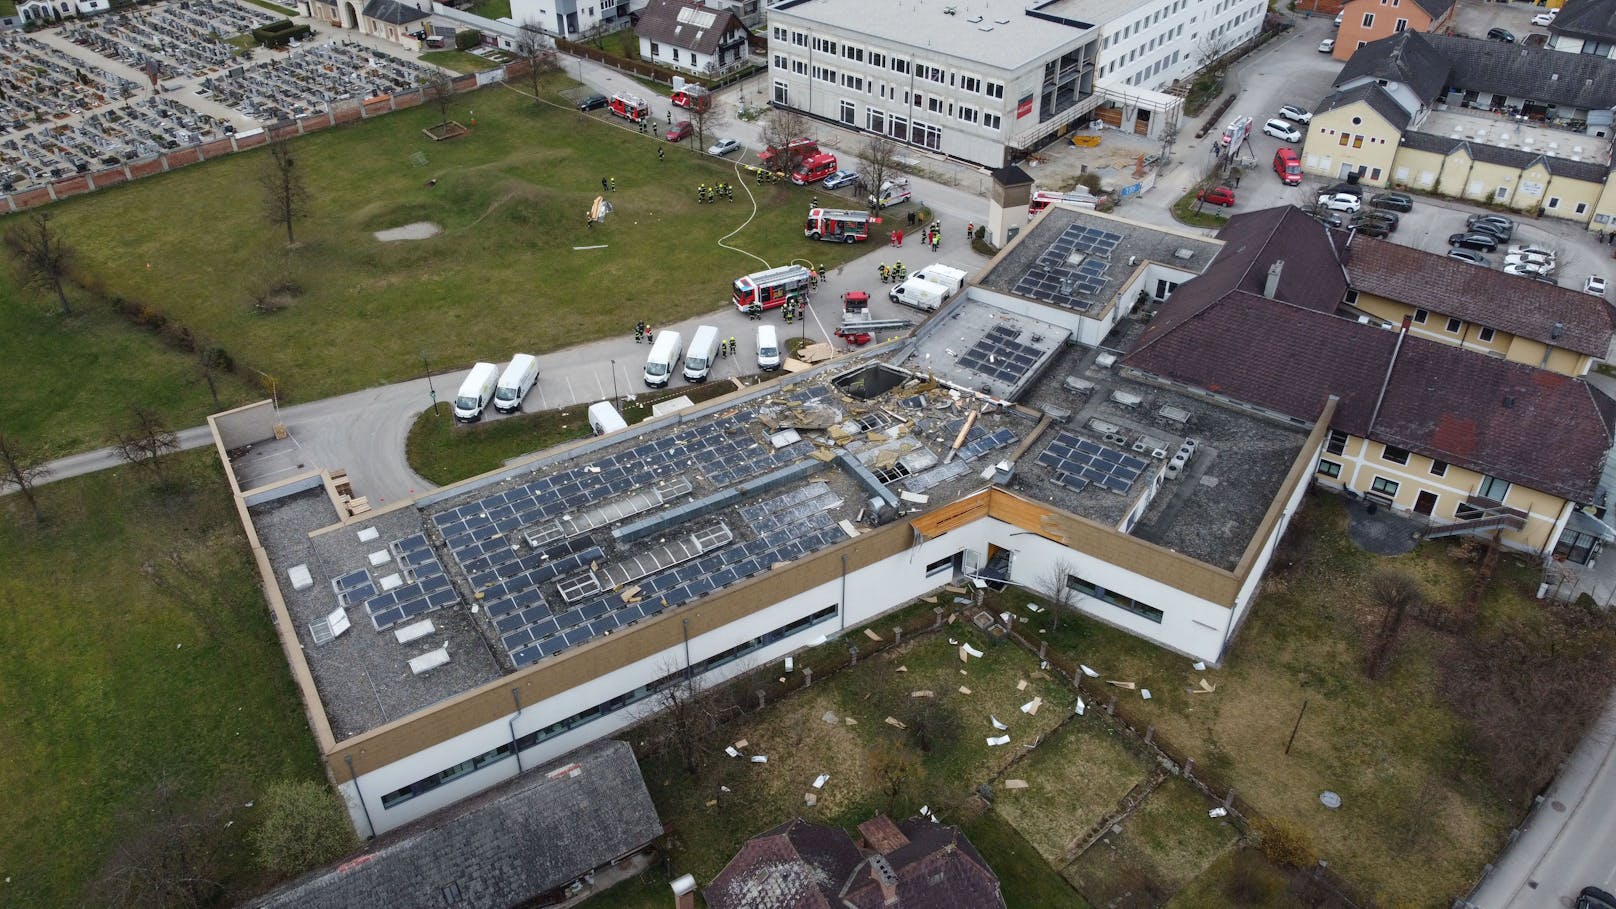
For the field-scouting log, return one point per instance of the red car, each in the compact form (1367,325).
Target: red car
(1217,195)
(678,131)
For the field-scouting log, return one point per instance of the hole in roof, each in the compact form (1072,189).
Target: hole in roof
(870,382)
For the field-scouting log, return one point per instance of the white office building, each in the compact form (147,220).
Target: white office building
(972,80)
(570,19)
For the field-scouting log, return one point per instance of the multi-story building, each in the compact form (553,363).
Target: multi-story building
(979,82)
(1151,45)
(1363,21)
(570,18)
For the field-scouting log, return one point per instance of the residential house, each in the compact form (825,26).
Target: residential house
(1585,27)
(573,20)
(1364,21)
(390,20)
(691,36)
(913,864)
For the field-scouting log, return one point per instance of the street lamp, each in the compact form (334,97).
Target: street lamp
(614,384)
(430,390)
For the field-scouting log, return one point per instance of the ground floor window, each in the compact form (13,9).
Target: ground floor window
(1125,603)
(1385,487)
(1329,468)
(1576,547)
(782,94)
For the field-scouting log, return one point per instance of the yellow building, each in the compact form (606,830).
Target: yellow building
(1355,131)
(1505,316)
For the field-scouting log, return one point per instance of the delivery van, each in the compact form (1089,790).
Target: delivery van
(946,275)
(921,294)
(768,347)
(1288,166)
(664,357)
(516,382)
(604,418)
(476,392)
(699,357)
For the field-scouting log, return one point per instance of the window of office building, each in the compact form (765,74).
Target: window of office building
(1125,603)
(849,113)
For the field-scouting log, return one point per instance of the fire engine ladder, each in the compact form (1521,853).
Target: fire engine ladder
(851,325)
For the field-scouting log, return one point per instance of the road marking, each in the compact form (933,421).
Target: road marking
(571,390)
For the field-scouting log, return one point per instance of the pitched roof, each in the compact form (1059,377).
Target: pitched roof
(1406,57)
(797,865)
(504,848)
(1519,159)
(1536,73)
(394,12)
(1436,9)
(687,24)
(1379,100)
(1543,430)
(1518,305)
(1587,19)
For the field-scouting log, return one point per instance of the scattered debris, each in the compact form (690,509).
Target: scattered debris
(849,721)
(1088,672)
(967,650)
(996,724)
(1217,812)
(1144,693)
(952,589)
(952,617)
(810,799)
(1015,784)
(760,759)
(1081,706)
(830,718)
(791,664)
(963,601)
(1204,688)
(1198,666)
(1034,608)
(1021,684)
(914,497)
(928,599)
(964,690)
(819,781)
(1031,707)
(730,750)
(952,641)
(1040,674)
(712,803)
(901,669)
(1128,685)
(998,740)
(871,635)
(923,693)
(741,744)
(895,722)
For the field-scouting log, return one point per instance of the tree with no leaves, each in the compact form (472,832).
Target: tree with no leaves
(780,127)
(880,156)
(1210,50)
(285,198)
(170,853)
(701,116)
(893,767)
(438,88)
(22,468)
(43,255)
(1397,593)
(145,441)
(534,49)
(1057,589)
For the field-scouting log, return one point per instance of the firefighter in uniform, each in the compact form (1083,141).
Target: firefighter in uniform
(882,268)
(897,271)
(754,311)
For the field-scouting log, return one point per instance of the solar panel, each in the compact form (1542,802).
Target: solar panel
(1076,460)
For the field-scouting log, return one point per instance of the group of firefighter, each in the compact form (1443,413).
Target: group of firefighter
(705,193)
(894,274)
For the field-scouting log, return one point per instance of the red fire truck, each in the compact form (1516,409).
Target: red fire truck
(692,97)
(838,225)
(771,288)
(784,159)
(629,107)
(813,168)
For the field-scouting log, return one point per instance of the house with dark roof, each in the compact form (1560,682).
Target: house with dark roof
(1483,120)
(1469,441)
(1364,21)
(391,20)
(1507,316)
(546,835)
(1585,27)
(691,36)
(913,864)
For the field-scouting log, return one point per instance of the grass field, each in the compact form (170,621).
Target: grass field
(457,60)
(511,198)
(1419,818)
(139,650)
(1166,844)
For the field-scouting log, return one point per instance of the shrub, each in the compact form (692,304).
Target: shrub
(304,825)
(1285,842)
(468,39)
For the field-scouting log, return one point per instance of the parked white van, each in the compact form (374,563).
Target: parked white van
(946,275)
(516,382)
(604,418)
(699,358)
(768,347)
(476,392)
(664,357)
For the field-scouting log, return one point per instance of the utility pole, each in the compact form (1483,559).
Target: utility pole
(430,390)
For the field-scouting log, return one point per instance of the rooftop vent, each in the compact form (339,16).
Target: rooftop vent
(979,19)
(948,10)
(1002,21)
(1184,252)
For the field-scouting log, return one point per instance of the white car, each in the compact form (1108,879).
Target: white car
(1544,18)
(1527,260)
(1327,45)
(1594,285)
(1282,130)
(1524,269)
(1338,17)
(1296,114)
(1538,251)
(1346,202)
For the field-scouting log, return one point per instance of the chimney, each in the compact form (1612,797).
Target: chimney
(881,870)
(684,892)
(1271,286)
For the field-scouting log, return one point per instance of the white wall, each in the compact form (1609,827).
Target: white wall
(1402,94)
(1139,46)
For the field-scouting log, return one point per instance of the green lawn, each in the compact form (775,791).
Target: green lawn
(493,9)
(1207,216)
(1026,881)
(505,273)
(459,61)
(1167,843)
(275,8)
(139,650)
(1421,817)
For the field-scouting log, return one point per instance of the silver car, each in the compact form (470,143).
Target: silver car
(724,147)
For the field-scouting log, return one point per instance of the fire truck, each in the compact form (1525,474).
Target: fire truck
(692,97)
(629,107)
(838,225)
(771,288)
(1042,200)
(784,159)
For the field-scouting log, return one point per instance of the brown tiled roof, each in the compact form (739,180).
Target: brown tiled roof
(687,24)
(1518,305)
(937,869)
(881,834)
(797,865)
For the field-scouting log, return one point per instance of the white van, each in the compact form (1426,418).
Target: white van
(604,418)
(516,382)
(948,276)
(699,358)
(919,293)
(476,392)
(892,192)
(768,347)
(664,356)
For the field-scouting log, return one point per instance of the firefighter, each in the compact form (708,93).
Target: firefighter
(822,271)
(970,231)
(786,310)
(732,347)
(813,280)
(882,268)
(816,201)
(639,332)
(614,184)
(658,149)
(723,350)
(897,271)
(729,192)
(754,311)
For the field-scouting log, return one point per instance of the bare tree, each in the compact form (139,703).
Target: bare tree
(170,853)
(880,156)
(22,468)
(1210,50)
(43,255)
(285,197)
(1397,593)
(210,360)
(145,441)
(535,50)
(701,115)
(779,129)
(438,87)
(1057,589)
(893,767)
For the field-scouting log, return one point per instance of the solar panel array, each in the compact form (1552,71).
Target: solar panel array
(484,536)
(427,589)
(1078,464)
(1054,279)
(1000,355)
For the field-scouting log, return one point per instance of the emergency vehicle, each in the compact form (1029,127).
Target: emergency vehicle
(794,152)
(772,287)
(838,225)
(692,97)
(813,168)
(1044,199)
(629,107)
